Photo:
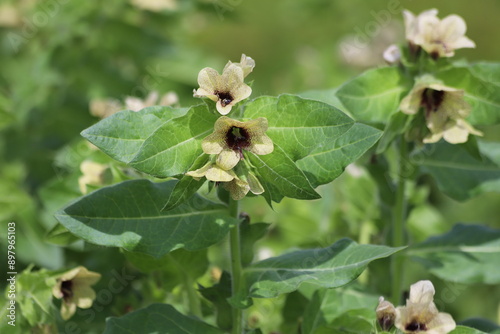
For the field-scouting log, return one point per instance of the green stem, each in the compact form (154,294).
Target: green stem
(236,268)
(398,223)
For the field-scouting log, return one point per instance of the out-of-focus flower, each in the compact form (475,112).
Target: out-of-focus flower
(386,314)
(155,5)
(225,89)
(366,50)
(73,287)
(420,314)
(246,63)
(93,174)
(439,38)
(231,137)
(392,55)
(136,104)
(103,108)
(9,16)
(445,110)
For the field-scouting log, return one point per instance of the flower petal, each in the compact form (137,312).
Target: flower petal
(422,292)
(442,323)
(451,28)
(208,79)
(411,102)
(67,310)
(227,159)
(217,174)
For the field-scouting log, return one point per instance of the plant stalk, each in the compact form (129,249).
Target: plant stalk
(236,267)
(399,222)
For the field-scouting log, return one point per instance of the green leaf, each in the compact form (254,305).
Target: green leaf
(174,146)
(60,235)
(485,325)
(249,234)
(482,90)
(122,134)
(328,96)
(299,126)
(327,163)
(280,171)
(327,305)
(129,215)
(466,330)
(186,187)
(396,125)
(467,254)
(457,172)
(352,322)
(218,295)
(158,318)
(374,95)
(329,267)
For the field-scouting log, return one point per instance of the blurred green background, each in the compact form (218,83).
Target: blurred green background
(56,56)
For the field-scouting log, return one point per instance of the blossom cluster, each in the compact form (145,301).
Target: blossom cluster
(226,145)
(420,315)
(444,109)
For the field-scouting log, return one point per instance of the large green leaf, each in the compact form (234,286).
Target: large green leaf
(158,141)
(325,164)
(374,95)
(319,137)
(156,319)
(299,126)
(122,134)
(280,171)
(129,215)
(482,89)
(458,173)
(329,267)
(467,254)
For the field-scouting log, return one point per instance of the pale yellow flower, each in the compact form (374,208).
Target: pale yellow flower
(103,108)
(392,55)
(93,174)
(386,314)
(231,137)
(445,110)
(73,287)
(213,173)
(136,104)
(225,89)
(420,314)
(246,63)
(155,5)
(440,38)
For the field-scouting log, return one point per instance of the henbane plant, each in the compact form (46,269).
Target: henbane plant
(180,176)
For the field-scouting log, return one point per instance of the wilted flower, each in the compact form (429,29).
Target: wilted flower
(93,174)
(226,89)
(420,314)
(74,288)
(246,63)
(440,38)
(445,111)
(240,185)
(386,314)
(231,137)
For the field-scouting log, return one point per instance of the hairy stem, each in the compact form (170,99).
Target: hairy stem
(398,223)
(236,268)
